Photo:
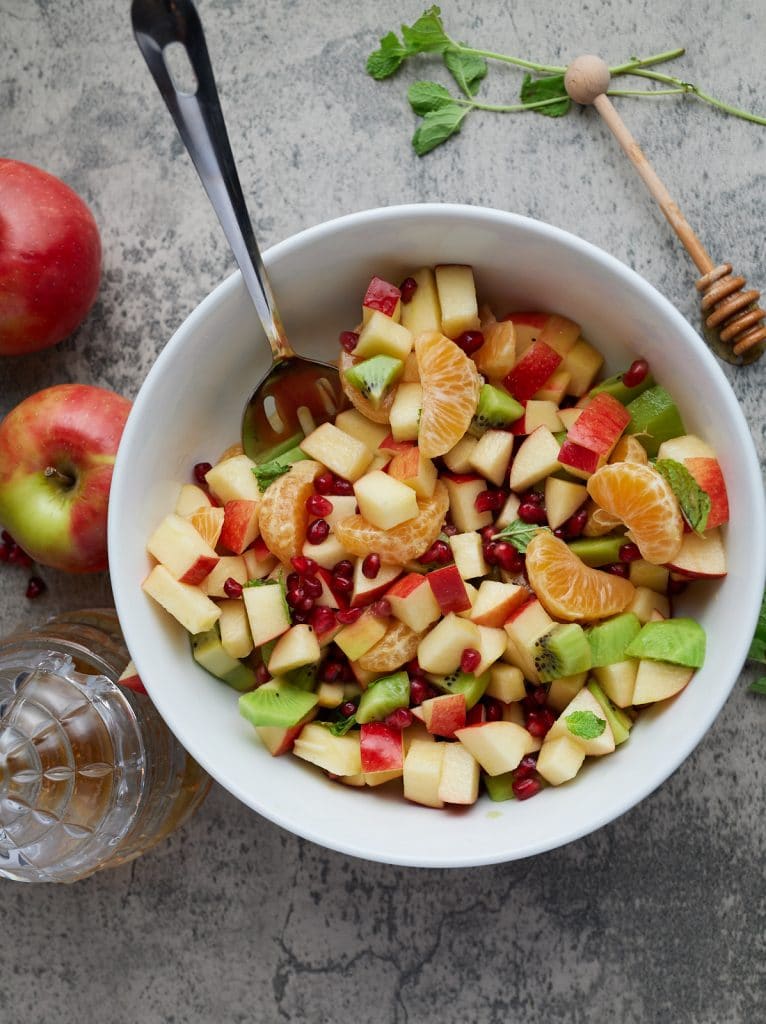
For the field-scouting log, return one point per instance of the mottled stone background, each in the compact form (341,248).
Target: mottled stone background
(657,918)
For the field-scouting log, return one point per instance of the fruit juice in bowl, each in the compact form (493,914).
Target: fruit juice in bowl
(455,718)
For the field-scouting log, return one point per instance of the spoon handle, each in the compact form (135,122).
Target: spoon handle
(199,120)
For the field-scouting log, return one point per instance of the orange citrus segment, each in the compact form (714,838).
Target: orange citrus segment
(357,399)
(283,516)
(208,522)
(401,543)
(567,588)
(451,385)
(645,502)
(629,449)
(398,646)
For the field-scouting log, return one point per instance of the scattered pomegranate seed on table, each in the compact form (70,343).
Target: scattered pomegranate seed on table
(35,587)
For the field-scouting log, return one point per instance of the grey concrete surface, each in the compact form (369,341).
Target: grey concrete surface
(659,917)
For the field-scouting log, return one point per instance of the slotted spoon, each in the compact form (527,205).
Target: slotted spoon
(296,393)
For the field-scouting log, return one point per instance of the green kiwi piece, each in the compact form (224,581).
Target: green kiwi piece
(596,551)
(373,377)
(562,651)
(608,639)
(679,641)
(499,787)
(614,386)
(462,682)
(383,696)
(207,651)
(276,703)
(305,677)
(495,411)
(654,418)
(619,722)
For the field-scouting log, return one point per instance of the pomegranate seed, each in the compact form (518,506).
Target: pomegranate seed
(508,557)
(470,341)
(343,568)
(348,616)
(420,691)
(529,513)
(539,722)
(438,552)
(5,552)
(381,609)
(489,501)
(317,531)
(629,552)
(318,505)
(232,587)
(413,667)
(635,373)
(560,532)
(576,523)
(303,565)
(7,539)
(18,556)
(470,659)
(347,708)
(35,587)
(200,469)
(294,597)
(490,553)
(312,587)
(342,487)
(527,766)
(536,698)
(532,498)
(322,619)
(523,789)
(476,715)
(618,569)
(343,585)
(487,533)
(408,287)
(300,618)
(494,709)
(401,718)
(262,674)
(305,604)
(332,671)
(324,482)
(348,340)
(371,566)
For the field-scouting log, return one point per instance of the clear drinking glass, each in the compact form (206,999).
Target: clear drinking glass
(90,775)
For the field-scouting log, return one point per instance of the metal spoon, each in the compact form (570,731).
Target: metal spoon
(296,393)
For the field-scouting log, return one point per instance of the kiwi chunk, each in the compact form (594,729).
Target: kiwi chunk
(373,377)
(495,411)
(615,387)
(382,697)
(608,639)
(618,721)
(276,703)
(467,683)
(679,641)
(207,651)
(654,418)
(562,651)
(305,677)
(596,551)
(284,451)
(499,787)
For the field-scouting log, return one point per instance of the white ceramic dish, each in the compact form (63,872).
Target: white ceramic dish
(189,410)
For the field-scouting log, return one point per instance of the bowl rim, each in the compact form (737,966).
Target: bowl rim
(665,767)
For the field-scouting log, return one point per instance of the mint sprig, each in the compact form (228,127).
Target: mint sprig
(549,87)
(268,472)
(693,501)
(341,726)
(518,533)
(585,724)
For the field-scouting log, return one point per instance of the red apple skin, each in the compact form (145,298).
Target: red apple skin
(75,429)
(599,425)
(50,259)
(448,589)
(197,572)
(381,295)
(381,748)
(448,713)
(240,522)
(707,473)
(532,370)
(577,457)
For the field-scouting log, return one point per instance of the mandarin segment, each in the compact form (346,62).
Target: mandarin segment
(398,646)
(402,543)
(451,386)
(567,588)
(645,503)
(283,516)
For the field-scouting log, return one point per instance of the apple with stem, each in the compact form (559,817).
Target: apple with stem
(57,451)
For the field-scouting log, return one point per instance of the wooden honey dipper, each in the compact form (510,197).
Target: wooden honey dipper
(731,313)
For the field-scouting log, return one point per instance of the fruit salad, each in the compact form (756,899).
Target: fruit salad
(464,581)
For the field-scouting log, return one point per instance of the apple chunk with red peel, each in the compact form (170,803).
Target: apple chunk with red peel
(413,469)
(278,739)
(339,755)
(532,371)
(445,714)
(359,637)
(463,492)
(496,601)
(440,650)
(658,680)
(267,612)
(591,439)
(381,748)
(700,460)
(524,627)
(449,589)
(240,524)
(382,296)
(700,557)
(186,603)
(366,590)
(180,548)
(413,603)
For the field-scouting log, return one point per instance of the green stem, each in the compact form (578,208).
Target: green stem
(645,92)
(645,62)
(531,65)
(513,108)
(689,87)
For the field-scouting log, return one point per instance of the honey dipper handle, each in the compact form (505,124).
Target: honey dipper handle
(586,81)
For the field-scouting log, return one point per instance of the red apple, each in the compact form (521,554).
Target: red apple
(532,370)
(381,747)
(57,451)
(449,590)
(50,259)
(382,296)
(389,444)
(240,524)
(445,714)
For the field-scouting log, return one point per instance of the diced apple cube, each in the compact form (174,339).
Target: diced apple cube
(413,603)
(343,454)
(406,408)
(414,470)
(422,772)
(353,423)
(496,601)
(232,479)
(267,612)
(645,601)
(538,413)
(459,783)
(658,680)
(343,506)
(449,589)
(445,714)
(508,512)
(463,491)
(235,629)
(584,701)
(359,637)
(190,499)
(339,755)
(560,760)
(366,590)
(457,299)
(383,296)
(193,609)
(536,459)
(295,648)
(382,336)
(492,454)
(563,690)
(506,683)
(468,554)
(422,312)
(524,627)
(492,645)
(497,746)
(458,459)
(240,524)
(257,568)
(279,739)
(180,548)
(328,553)
(583,363)
(618,681)
(384,501)
(229,566)
(440,650)
(554,389)
(562,499)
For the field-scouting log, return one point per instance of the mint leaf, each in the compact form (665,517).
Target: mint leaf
(758,646)
(585,724)
(694,502)
(466,68)
(438,126)
(759,686)
(268,472)
(342,725)
(260,583)
(427,96)
(518,533)
(385,61)
(427,35)
(549,87)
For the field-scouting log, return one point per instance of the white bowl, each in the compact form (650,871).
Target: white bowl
(189,410)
